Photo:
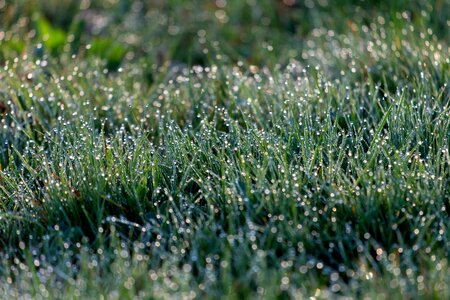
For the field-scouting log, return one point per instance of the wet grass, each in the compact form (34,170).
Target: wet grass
(253,153)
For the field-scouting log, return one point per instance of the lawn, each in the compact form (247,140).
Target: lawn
(224,149)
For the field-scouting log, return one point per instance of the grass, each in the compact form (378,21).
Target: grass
(229,150)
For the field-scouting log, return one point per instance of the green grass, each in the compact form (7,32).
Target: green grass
(184,150)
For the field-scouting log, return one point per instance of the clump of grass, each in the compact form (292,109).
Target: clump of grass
(326,175)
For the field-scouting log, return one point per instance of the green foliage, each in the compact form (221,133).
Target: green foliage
(107,49)
(228,149)
(53,38)
(11,48)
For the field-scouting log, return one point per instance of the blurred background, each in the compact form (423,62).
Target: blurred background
(259,32)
